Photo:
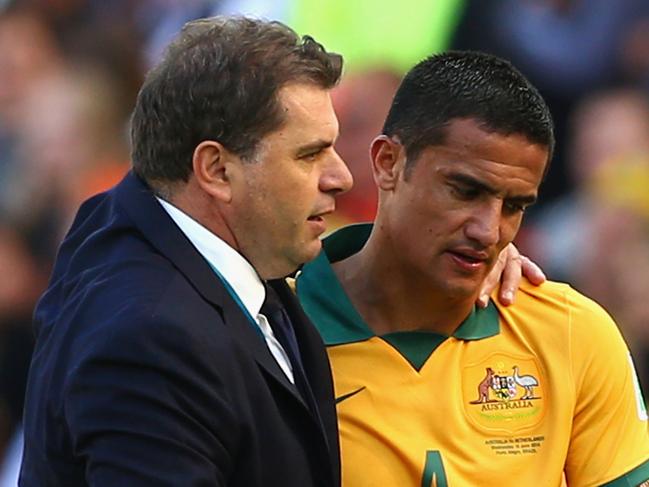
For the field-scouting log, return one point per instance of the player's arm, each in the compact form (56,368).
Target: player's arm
(609,443)
(508,271)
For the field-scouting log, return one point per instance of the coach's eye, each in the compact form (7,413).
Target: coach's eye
(311,156)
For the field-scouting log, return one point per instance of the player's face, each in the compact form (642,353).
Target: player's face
(284,193)
(462,203)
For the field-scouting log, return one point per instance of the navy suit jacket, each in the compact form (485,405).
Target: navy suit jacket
(147,373)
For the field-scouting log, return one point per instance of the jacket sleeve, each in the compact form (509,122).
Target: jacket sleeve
(147,404)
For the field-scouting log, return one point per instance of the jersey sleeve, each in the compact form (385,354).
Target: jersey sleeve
(609,442)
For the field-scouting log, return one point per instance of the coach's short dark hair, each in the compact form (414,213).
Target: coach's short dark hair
(219,80)
(466,84)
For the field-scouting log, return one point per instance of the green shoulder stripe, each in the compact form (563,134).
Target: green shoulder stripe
(634,478)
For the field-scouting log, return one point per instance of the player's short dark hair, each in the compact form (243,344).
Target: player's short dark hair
(219,80)
(466,84)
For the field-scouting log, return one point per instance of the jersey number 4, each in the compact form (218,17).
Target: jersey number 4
(434,474)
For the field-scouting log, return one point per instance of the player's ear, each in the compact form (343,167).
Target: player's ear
(213,164)
(388,157)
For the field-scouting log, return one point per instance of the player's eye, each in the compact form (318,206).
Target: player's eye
(514,207)
(464,192)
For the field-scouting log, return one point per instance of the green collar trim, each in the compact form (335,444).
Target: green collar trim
(415,346)
(481,323)
(327,305)
(333,313)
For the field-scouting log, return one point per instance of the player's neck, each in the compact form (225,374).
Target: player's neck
(391,299)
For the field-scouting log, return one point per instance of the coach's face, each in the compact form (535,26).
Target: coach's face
(459,204)
(280,198)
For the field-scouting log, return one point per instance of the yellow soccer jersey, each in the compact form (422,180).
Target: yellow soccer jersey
(517,396)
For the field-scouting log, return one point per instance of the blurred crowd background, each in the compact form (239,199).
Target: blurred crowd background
(70,71)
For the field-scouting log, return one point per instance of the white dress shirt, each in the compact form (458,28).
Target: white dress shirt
(237,271)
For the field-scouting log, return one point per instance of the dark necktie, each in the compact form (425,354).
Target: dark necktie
(282,327)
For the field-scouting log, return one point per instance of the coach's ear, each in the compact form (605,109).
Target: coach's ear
(388,159)
(212,164)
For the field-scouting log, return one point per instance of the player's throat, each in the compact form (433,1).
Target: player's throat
(390,300)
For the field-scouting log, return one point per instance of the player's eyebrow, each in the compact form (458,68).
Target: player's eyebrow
(526,200)
(471,182)
(476,184)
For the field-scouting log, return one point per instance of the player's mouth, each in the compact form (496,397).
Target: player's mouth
(469,260)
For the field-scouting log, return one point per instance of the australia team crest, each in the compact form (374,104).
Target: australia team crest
(504,392)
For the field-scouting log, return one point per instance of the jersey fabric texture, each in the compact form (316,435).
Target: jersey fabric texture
(516,396)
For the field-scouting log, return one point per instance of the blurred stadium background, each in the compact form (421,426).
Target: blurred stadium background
(70,71)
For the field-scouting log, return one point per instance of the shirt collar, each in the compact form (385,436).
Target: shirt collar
(232,266)
(330,309)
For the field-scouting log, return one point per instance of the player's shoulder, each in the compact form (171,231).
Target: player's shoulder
(559,293)
(547,292)
(583,314)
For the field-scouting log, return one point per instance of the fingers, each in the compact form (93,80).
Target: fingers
(515,268)
(492,280)
(532,271)
(509,269)
(483,301)
(511,277)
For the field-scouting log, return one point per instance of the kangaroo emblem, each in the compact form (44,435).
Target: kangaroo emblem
(483,387)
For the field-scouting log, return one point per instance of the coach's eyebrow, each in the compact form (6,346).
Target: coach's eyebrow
(314,147)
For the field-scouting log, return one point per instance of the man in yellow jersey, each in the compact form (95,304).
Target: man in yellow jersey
(431,390)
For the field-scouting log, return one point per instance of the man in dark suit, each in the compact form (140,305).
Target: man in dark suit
(169,351)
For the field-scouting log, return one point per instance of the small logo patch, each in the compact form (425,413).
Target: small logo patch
(504,393)
(344,397)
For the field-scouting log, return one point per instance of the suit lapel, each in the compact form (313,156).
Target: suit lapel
(316,364)
(328,445)
(137,200)
(244,332)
